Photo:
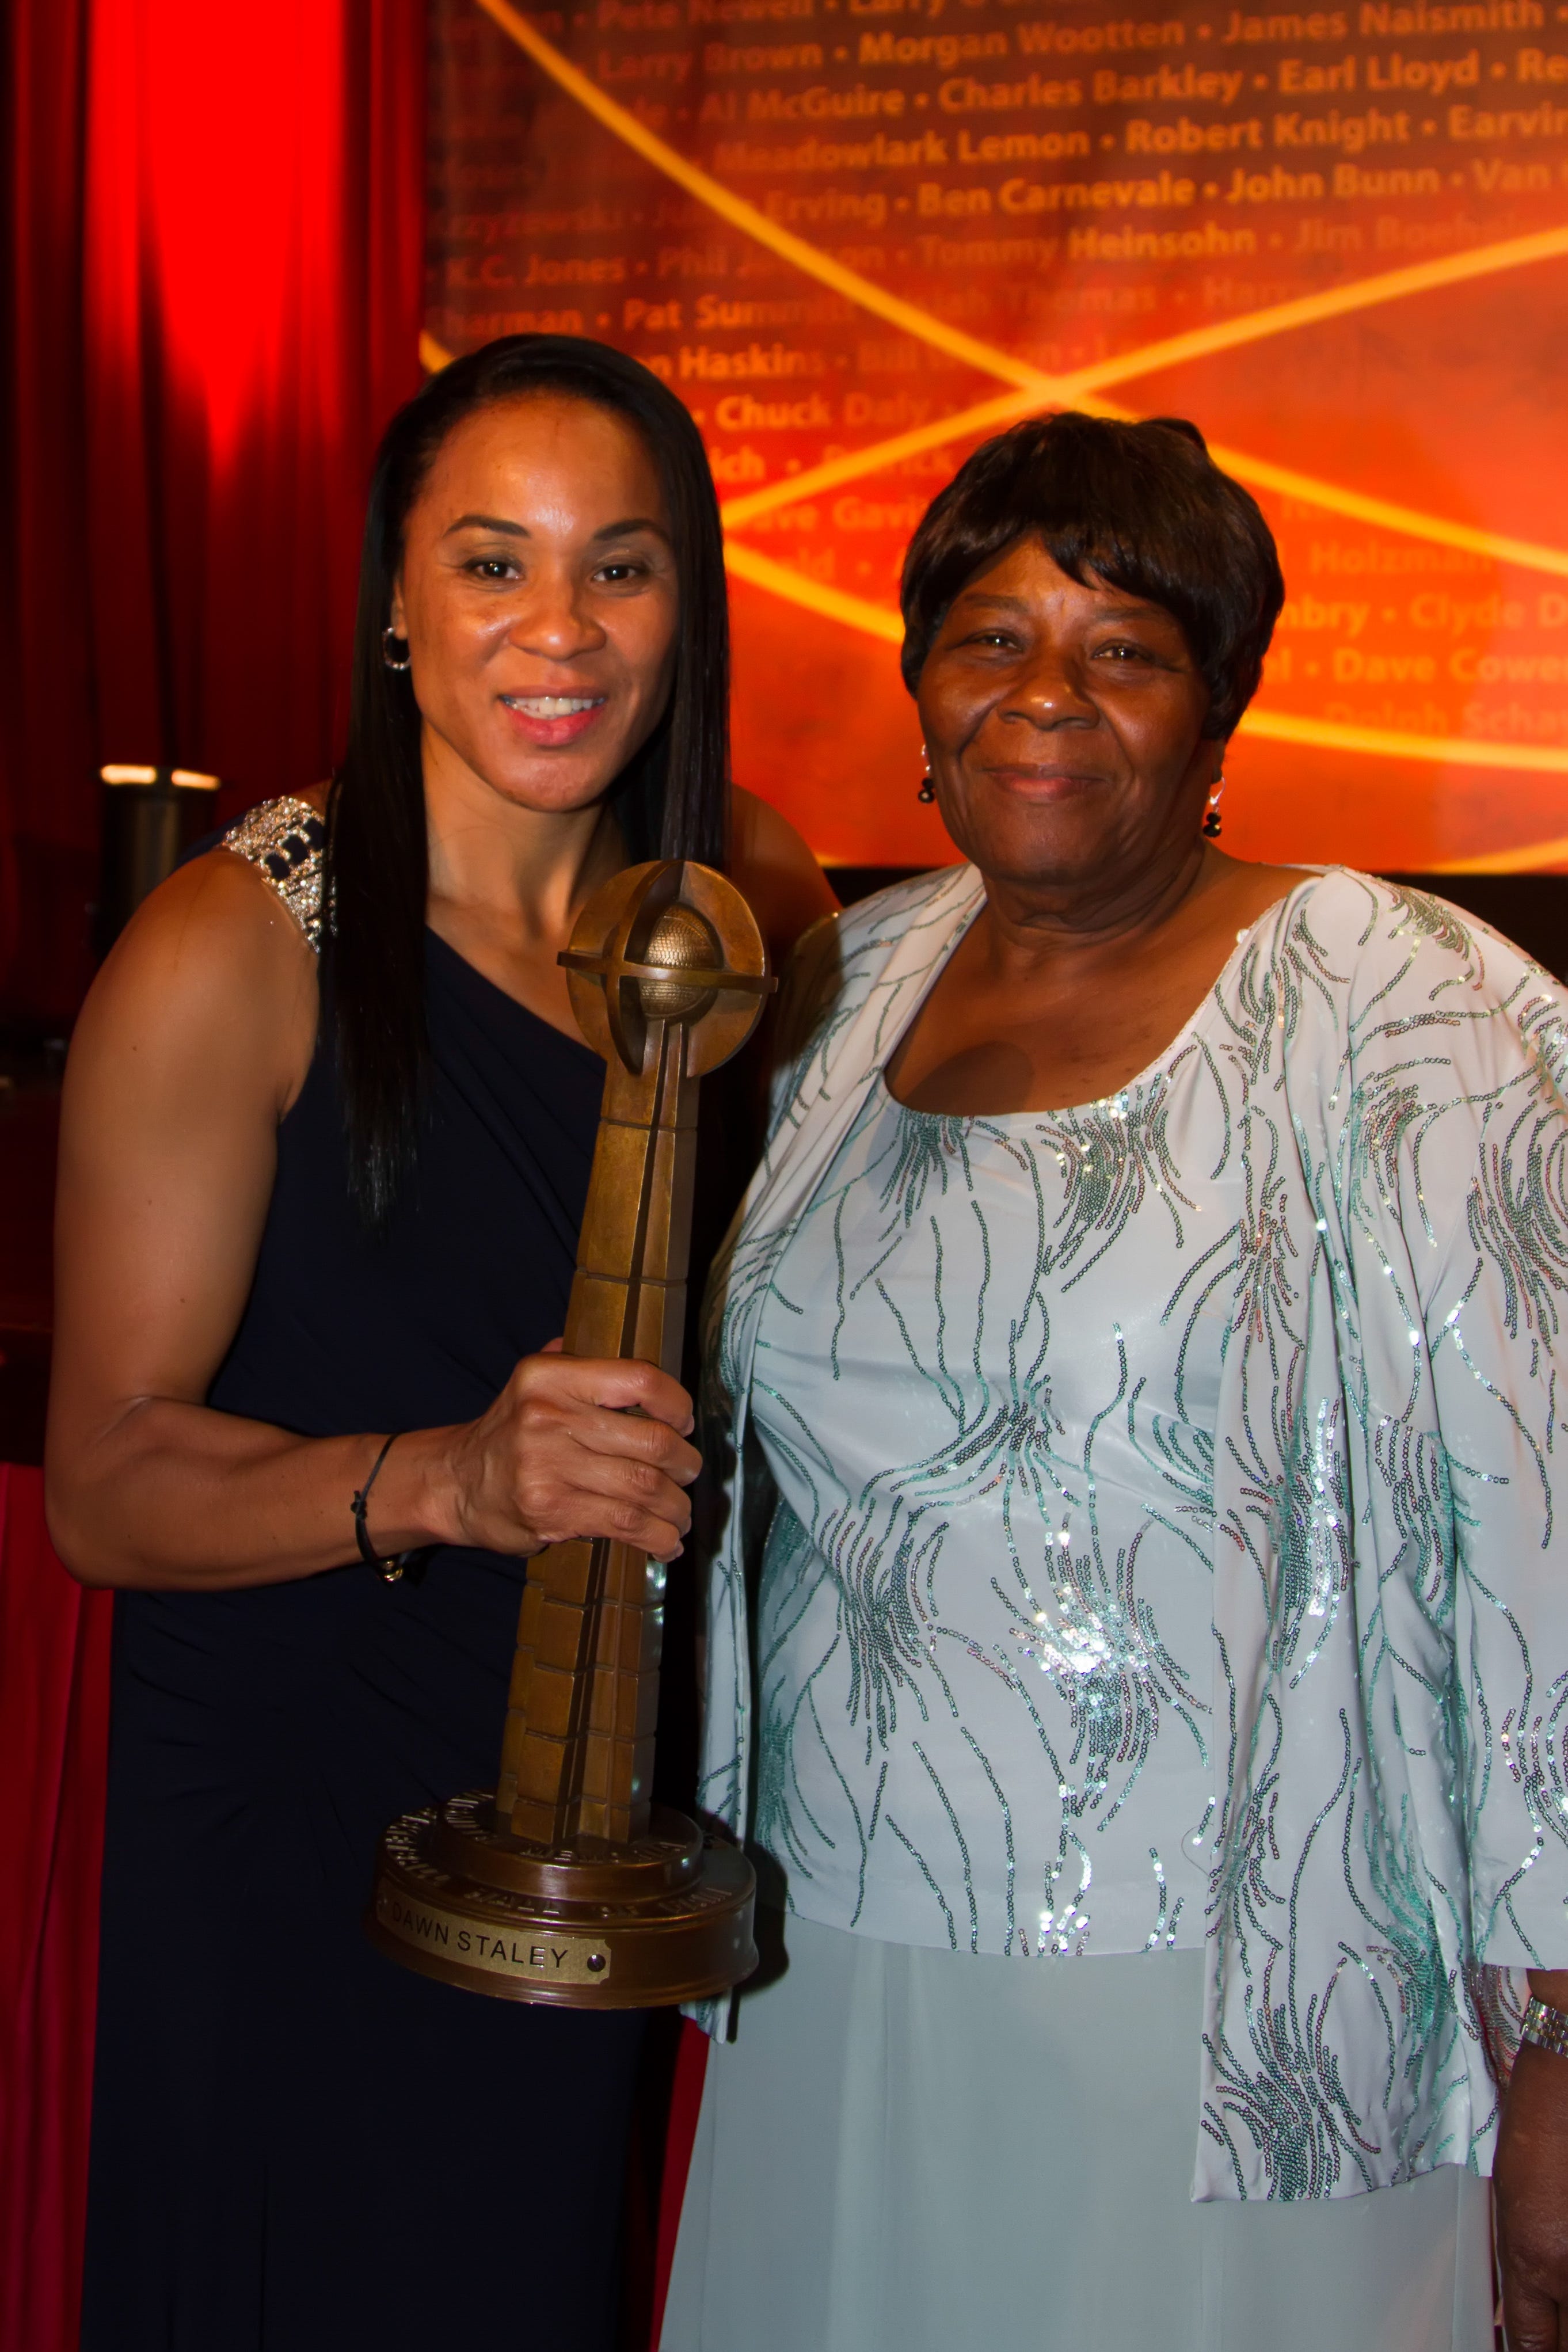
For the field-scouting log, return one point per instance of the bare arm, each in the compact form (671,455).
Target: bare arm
(789,894)
(1532,2186)
(193,1042)
(785,887)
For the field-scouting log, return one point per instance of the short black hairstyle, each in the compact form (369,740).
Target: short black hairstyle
(1142,507)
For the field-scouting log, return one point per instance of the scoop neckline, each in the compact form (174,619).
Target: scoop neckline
(1102,1103)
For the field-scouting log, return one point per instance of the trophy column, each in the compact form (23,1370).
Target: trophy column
(567,1886)
(577,1758)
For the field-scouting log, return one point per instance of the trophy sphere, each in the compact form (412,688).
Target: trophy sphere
(682,940)
(667,947)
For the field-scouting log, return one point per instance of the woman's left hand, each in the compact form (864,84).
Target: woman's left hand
(1531,2182)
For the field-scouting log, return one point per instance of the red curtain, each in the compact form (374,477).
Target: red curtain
(210,284)
(679,2139)
(212,278)
(54,1721)
(213,283)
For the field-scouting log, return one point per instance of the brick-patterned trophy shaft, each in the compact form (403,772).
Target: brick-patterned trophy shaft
(577,1755)
(562,1887)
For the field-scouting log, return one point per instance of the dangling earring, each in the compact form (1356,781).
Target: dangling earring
(926,792)
(389,638)
(1211,821)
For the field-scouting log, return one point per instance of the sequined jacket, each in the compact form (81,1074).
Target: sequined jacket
(1390,1572)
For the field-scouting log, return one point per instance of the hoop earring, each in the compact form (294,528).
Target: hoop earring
(389,638)
(1211,821)
(926,792)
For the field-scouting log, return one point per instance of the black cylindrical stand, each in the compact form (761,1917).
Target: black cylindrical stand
(150,815)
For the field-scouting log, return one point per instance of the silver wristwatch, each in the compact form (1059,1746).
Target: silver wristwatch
(1546,2027)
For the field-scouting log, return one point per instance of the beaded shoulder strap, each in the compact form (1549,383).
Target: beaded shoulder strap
(285,840)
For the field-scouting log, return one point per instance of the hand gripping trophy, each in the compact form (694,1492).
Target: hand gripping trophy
(565,1885)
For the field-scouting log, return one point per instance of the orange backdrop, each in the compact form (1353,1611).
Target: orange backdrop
(858,235)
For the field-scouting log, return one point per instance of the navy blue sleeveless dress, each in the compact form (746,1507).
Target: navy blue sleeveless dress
(298,2145)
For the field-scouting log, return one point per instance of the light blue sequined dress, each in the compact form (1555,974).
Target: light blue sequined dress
(1271,1338)
(985,1384)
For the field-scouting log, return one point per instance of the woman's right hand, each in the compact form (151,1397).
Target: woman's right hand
(574,1446)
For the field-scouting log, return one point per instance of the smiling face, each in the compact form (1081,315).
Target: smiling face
(539,596)
(1064,723)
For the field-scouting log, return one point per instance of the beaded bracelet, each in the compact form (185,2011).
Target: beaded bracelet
(1545,2026)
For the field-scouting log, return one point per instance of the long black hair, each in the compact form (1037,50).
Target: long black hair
(672,799)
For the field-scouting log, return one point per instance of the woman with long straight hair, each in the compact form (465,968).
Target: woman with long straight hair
(326,1143)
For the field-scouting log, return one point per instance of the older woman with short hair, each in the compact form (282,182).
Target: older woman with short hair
(1140,1632)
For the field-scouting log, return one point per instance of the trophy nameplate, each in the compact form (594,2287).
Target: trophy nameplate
(566,1885)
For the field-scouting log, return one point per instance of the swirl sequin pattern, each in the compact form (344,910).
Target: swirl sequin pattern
(1271,1338)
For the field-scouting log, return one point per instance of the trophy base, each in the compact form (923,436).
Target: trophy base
(667,1919)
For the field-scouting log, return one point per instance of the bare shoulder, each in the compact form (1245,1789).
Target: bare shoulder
(217,923)
(764,835)
(212,980)
(778,874)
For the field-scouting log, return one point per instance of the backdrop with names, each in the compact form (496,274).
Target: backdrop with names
(857,235)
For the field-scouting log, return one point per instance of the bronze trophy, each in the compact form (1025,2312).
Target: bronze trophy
(565,1884)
